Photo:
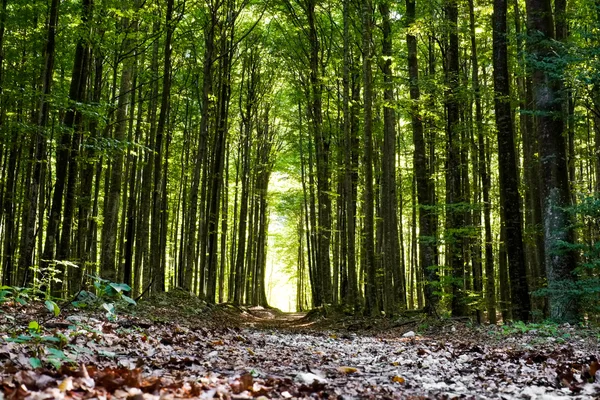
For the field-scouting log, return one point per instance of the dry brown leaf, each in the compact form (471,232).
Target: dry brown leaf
(398,379)
(594,367)
(66,385)
(347,370)
(246,382)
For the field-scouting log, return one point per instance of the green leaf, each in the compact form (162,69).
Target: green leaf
(79,304)
(110,307)
(52,307)
(56,363)
(35,362)
(129,300)
(106,353)
(19,339)
(120,287)
(34,326)
(57,353)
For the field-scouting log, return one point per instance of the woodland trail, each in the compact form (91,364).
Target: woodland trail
(244,353)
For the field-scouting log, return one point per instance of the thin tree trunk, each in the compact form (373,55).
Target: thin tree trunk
(392,266)
(158,202)
(509,183)
(349,150)
(113,199)
(39,145)
(371,305)
(423,176)
(454,195)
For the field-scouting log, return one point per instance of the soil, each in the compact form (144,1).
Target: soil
(177,346)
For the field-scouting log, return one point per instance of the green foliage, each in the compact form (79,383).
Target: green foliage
(46,348)
(44,278)
(17,294)
(585,288)
(546,329)
(109,296)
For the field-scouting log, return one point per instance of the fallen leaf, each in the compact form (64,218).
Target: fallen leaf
(398,379)
(347,370)
(66,385)
(246,381)
(594,367)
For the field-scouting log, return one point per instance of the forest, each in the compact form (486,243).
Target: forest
(441,156)
(416,184)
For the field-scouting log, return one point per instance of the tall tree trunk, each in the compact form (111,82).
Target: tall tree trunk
(454,195)
(159,203)
(391,258)
(322,153)
(73,121)
(207,84)
(534,238)
(39,145)
(509,183)
(422,172)
(216,174)
(556,191)
(371,306)
(349,189)
(476,153)
(113,199)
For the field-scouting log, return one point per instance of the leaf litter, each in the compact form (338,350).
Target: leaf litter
(244,353)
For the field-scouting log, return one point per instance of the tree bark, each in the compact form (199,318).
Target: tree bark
(509,183)
(423,174)
(39,146)
(556,191)
(113,199)
(454,193)
(393,271)
(371,304)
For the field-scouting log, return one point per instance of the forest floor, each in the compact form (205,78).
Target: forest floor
(176,346)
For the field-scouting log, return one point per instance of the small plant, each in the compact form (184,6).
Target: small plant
(109,296)
(17,294)
(45,348)
(544,329)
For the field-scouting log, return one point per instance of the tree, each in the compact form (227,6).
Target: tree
(423,174)
(556,191)
(509,185)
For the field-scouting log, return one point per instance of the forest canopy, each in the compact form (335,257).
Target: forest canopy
(434,155)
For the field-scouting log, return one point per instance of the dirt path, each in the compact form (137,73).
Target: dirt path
(258,353)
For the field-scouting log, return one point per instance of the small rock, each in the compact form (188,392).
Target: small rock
(409,334)
(308,378)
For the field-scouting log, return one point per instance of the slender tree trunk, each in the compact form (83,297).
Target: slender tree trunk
(371,306)
(158,202)
(216,178)
(391,258)
(349,150)
(454,195)
(113,199)
(509,182)
(322,153)
(475,154)
(207,84)
(39,145)
(423,176)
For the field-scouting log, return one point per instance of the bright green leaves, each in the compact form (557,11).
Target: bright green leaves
(52,307)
